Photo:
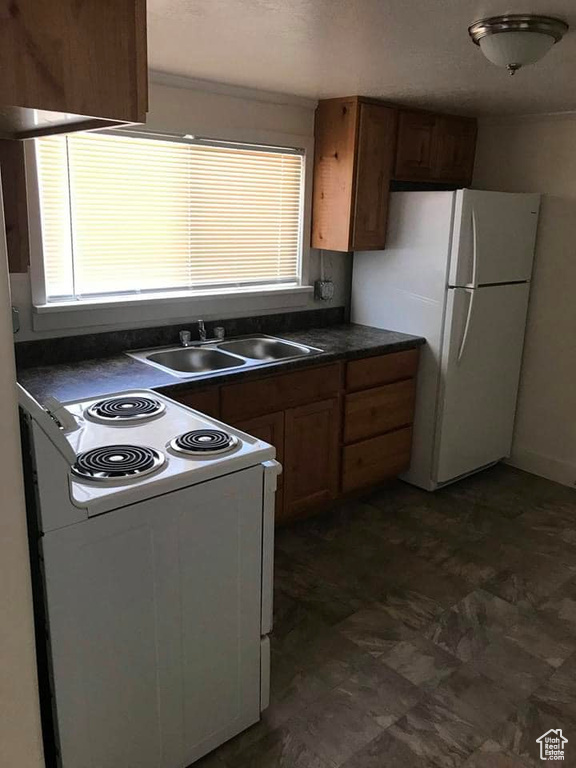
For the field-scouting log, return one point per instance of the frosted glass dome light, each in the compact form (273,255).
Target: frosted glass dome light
(516,40)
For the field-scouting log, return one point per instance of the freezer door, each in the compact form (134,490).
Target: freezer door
(481,367)
(494,237)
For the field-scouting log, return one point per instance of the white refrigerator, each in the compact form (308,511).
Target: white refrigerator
(456,270)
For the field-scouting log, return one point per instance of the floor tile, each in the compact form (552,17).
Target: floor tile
(292,634)
(508,491)
(297,690)
(476,698)
(556,519)
(431,581)
(332,656)
(438,735)
(421,661)
(210,761)
(542,638)
(468,628)
(532,719)
(517,671)
(447,619)
(410,607)
(279,749)
(334,727)
(493,755)
(518,590)
(379,691)
(559,691)
(561,606)
(386,751)
(472,568)
(374,630)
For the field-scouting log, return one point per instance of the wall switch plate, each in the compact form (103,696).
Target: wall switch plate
(324,290)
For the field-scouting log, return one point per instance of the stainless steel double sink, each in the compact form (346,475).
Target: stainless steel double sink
(209,356)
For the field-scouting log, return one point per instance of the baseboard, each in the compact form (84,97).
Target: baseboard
(545,466)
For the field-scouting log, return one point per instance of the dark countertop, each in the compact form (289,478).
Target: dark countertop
(106,375)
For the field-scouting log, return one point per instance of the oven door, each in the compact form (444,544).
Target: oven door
(154,614)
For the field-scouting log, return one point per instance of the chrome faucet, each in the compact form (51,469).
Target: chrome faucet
(202,330)
(185,337)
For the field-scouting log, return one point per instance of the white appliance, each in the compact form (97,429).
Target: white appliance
(456,270)
(156,528)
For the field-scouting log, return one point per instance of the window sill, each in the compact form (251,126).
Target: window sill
(139,310)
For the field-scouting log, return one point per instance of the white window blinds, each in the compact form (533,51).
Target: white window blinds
(124,214)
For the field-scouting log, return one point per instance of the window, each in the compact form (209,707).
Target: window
(130,214)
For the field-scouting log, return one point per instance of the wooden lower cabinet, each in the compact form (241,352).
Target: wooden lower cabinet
(382,369)
(270,428)
(338,428)
(204,400)
(372,461)
(378,410)
(311,448)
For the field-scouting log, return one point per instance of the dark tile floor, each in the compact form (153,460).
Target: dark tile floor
(415,630)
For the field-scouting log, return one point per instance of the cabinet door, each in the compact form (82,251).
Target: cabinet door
(158,674)
(312,435)
(86,58)
(415,152)
(270,428)
(204,400)
(334,156)
(455,148)
(375,161)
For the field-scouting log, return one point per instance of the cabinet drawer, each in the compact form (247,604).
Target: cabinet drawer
(384,369)
(253,398)
(372,461)
(204,400)
(379,410)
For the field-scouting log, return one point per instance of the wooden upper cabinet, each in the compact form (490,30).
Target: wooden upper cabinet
(435,148)
(415,152)
(375,160)
(456,145)
(361,145)
(353,164)
(334,172)
(82,59)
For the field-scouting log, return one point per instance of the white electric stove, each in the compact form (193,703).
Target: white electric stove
(155,528)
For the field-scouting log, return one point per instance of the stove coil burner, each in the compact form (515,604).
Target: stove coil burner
(204,442)
(122,409)
(116,462)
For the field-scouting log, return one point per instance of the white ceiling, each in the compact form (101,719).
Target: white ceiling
(410,51)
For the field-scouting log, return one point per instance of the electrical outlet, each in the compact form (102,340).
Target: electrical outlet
(324,290)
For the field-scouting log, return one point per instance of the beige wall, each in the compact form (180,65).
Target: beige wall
(539,155)
(20,741)
(179,105)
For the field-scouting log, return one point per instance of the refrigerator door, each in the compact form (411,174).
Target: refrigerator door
(404,289)
(481,366)
(494,236)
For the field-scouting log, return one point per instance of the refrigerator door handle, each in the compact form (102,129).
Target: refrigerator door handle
(462,347)
(474,250)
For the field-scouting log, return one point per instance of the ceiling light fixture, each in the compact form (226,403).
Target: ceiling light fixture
(515,40)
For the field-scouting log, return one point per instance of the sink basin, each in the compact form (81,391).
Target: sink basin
(265,349)
(211,356)
(190,360)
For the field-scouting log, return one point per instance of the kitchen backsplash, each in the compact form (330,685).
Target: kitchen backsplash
(67,349)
